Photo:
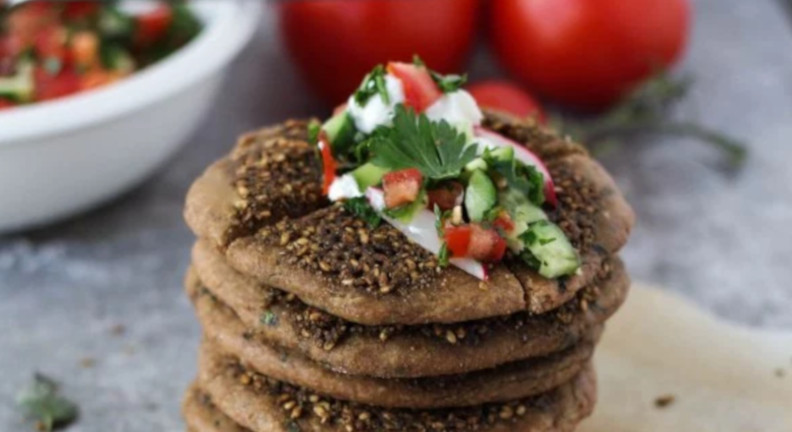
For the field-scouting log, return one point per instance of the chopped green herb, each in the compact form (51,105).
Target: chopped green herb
(361,208)
(524,178)
(314,127)
(492,214)
(373,84)
(41,402)
(418,61)
(449,83)
(439,218)
(443,255)
(437,149)
(269,318)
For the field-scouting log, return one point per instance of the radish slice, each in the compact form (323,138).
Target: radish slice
(422,231)
(491,139)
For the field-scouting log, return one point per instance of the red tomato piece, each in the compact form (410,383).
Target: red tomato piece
(588,54)
(486,244)
(340,108)
(446,196)
(504,222)
(51,43)
(328,163)
(54,86)
(420,90)
(80,9)
(5,104)
(507,97)
(319,34)
(457,240)
(152,26)
(401,187)
(25,22)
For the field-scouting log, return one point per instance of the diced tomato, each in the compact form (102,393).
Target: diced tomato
(26,21)
(328,163)
(98,77)
(457,240)
(152,26)
(446,196)
(401,187)
(54,86)
(80,9)
(420,90)
(486,244)
(51,43)
(504,222)
(85,48)
(5,104)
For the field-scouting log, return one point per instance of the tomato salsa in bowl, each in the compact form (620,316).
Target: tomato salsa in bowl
(52,49)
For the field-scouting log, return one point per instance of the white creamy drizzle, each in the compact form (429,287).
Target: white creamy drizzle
(344,187)
(458,108)
(376,112)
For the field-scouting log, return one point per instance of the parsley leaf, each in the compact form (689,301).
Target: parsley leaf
(41,402)
(524,178)
(436,149)
(314,129)
(373,83)
(361,208)
(443,255)
(449,83)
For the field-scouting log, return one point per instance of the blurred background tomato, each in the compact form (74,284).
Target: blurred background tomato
(336,42)
(588,54)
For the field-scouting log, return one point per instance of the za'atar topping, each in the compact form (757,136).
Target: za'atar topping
(408,148)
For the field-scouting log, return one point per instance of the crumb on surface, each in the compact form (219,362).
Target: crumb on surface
(665,401)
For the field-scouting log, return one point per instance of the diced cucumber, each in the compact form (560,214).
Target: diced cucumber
(368,175)
(19,87)
(340,130)
(523,213)
(476,164)
(480,195)
(549,245)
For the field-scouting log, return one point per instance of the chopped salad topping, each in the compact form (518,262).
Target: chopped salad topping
(408,148)
(51,49)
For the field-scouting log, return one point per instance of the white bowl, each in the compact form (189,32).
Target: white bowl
(58,158)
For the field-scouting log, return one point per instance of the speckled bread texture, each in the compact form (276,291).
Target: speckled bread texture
(259,403)
(405,352)
(315,321)
(262,206)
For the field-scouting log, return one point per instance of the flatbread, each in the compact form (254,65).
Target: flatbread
(409,352)
(225,334)
(265,405)
(235,209)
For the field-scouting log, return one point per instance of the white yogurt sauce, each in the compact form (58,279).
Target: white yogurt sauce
(344,187)
(458,108)
(376,112)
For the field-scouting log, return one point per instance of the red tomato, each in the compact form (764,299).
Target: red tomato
(588,54)
(507,97)
(328,163)
(78,9)
(504,222)
(401,187)
(5,104)
(446,196)
(51,43)
(24,23)
(457,240)
(152,26)
(54,86)
(336,42)
(486,244)
(420,90)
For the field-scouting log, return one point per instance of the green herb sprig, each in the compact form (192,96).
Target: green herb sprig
(41,402)
(436,149)
(361,208)
(373,83)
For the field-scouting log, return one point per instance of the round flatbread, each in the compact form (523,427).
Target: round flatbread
(262,404)
(335,260)
(409,352)
(225,335)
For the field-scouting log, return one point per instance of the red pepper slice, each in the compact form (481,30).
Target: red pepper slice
(328,163)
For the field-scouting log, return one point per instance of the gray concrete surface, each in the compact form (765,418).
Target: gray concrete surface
(722,241)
